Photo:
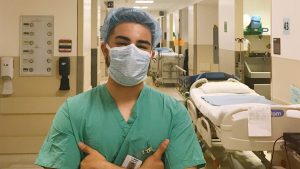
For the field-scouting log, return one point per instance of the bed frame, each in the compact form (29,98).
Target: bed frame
(232,133)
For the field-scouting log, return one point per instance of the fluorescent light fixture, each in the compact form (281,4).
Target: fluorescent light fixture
(141,7)
(144,2)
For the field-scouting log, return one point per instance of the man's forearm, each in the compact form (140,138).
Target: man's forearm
(113,166)
(109,166)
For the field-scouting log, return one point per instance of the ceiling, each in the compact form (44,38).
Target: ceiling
(161,5)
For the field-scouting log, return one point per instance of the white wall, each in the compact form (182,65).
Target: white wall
(191,34)
(25,116)
(163,24)
(207,15)
(230,12)
(184,24)
(285,67)
(102,67)
(176,26)
(95,21)
(65,22)
(84,40)
(176,22)
(227,14)
(192,38)
(87,44)
(154,13)
(289,43)
(65,27)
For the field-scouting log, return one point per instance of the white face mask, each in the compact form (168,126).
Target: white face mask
(128,64)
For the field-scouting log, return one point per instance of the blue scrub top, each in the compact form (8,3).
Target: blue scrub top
(93,117)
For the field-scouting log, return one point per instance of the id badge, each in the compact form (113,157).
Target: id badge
(131,162)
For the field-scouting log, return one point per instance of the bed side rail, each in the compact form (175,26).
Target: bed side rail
(234,128)
(203,127)
(287,111)
(192,111)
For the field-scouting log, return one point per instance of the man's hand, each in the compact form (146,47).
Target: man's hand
(94,160)
(154,161)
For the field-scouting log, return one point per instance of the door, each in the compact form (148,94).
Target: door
(216,44)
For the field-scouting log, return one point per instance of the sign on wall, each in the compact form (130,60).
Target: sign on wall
(36,45)
(286,26)
(110,4)
(65,45)
(225,26)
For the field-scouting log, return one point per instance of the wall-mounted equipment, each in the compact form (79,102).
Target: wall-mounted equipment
(64,71)
(65,45)
(216,44)
(295,94)
(276,46)
(7,73)
(255,27)
(36,45)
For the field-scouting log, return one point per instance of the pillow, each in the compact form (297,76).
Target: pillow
(229,86)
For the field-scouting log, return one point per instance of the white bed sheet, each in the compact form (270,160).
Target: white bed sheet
(169,54)
(216,113)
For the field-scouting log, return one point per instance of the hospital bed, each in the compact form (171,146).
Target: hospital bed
(185,82)
(164,66)
(227,125)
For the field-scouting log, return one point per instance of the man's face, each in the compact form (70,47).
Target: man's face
(125,34)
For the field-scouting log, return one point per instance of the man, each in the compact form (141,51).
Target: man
(123,123)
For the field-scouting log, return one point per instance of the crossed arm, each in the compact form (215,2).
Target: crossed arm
(95,160)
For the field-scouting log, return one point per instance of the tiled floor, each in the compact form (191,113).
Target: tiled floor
(168,89)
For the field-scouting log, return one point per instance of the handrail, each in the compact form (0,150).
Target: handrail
(179,68)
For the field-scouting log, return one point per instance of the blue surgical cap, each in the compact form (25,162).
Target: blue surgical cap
(121,15)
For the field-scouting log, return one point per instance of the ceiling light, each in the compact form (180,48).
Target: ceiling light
(144,2)
(141,7)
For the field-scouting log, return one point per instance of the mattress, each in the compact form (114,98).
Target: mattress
(169,54)
(216,113)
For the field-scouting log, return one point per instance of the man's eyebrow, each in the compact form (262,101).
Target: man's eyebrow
(144,41)
(127,39)
(122,37)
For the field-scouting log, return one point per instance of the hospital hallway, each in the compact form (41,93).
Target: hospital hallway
(232,64)
(241,160)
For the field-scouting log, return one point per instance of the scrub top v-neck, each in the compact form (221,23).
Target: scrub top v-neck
(93,118)
(125,125)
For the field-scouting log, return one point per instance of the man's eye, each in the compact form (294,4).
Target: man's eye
(143,47)
(122,44)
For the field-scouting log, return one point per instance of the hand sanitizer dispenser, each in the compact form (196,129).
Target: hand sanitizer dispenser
(64,71)
(7,65)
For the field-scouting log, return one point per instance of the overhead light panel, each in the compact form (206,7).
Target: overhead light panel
(144,2)
(141,7)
